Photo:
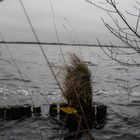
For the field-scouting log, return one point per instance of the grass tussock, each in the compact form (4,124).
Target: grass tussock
(77,84)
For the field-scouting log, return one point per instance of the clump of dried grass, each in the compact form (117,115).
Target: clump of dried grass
(77,84)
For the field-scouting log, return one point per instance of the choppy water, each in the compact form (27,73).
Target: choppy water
(112,84)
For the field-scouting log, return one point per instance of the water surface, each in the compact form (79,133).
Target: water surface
(112,84)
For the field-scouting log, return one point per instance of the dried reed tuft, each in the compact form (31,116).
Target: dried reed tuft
(77,84)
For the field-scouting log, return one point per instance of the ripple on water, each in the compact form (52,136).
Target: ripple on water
(123,120)
(135,94)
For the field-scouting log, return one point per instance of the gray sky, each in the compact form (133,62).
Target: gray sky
(75,20)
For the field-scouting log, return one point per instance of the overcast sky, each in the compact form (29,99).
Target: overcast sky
(75,20)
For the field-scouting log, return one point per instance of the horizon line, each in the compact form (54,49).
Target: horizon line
(55,43)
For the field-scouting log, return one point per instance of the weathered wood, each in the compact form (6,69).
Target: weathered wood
(53,110)
(15,112)
(62,114)
(95,118)
(2,112)
(37,111)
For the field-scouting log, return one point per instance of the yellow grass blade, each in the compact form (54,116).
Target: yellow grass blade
(68,110)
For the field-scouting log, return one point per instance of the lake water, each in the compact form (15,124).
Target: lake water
(112,84)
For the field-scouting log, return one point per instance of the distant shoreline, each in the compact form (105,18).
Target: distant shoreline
(54,43)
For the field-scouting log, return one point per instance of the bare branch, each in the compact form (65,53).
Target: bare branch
(137,21)
(121,28)
(117,60)
(102,8)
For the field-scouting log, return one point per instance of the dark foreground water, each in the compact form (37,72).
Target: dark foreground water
(112,86)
